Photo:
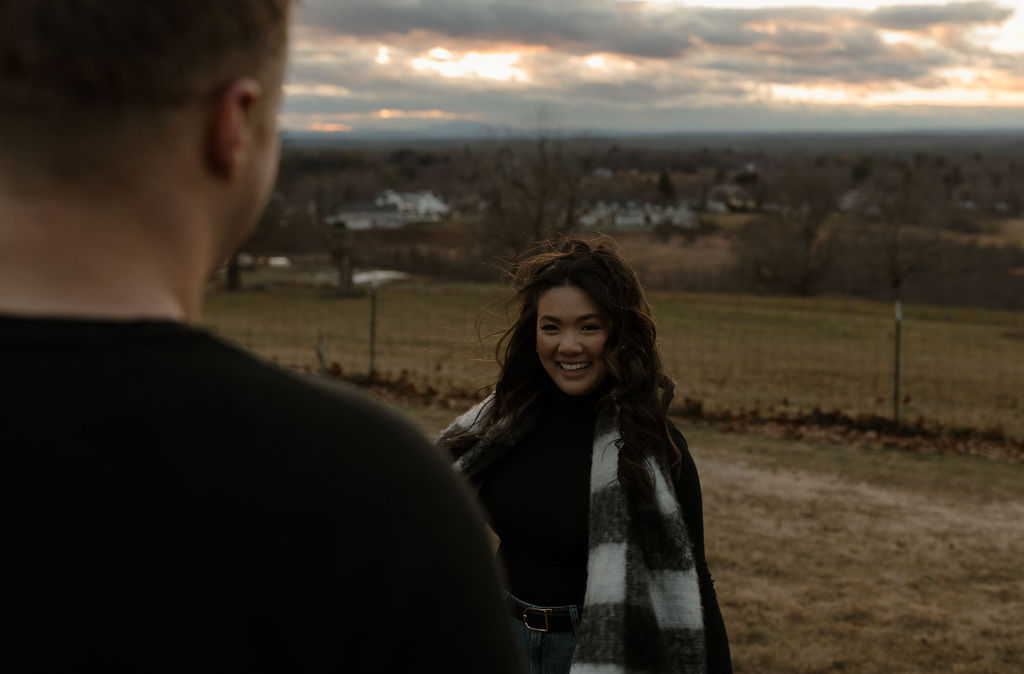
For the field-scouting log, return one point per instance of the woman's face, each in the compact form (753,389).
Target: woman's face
(571,333)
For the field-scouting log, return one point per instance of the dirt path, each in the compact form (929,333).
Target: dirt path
(820,574)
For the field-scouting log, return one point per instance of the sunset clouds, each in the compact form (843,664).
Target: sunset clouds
(656,66)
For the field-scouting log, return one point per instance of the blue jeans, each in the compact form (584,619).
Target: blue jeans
(548,652)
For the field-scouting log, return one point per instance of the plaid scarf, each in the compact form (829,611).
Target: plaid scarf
(642,610)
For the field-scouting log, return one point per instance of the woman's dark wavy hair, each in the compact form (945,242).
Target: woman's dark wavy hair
(636,381)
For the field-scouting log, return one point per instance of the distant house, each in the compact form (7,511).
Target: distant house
(246,260)
(636,218)
(390,210)
(681,215)
(851,200)
(727,197)
(857,201)
(424,205)
(632,216)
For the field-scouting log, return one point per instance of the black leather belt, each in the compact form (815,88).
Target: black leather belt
(542,619)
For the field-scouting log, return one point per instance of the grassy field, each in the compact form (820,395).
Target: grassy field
(960,367)
(839,559)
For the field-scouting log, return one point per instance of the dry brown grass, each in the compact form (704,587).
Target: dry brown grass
(1013,230)
(1007,232)
(839,559)
(824,572)
(707,254)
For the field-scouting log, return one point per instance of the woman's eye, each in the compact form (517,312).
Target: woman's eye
(590,327)
(547,328)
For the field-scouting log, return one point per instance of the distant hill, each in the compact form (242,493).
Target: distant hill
(954,141)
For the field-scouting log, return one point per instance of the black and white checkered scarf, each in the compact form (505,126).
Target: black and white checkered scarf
(642,610)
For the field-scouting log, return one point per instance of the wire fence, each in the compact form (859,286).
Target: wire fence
(957,368)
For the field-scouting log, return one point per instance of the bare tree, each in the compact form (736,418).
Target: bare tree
(902,210)
(788,249)
(533,192)
(322,208)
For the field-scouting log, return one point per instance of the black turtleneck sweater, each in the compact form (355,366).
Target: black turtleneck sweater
(538,496)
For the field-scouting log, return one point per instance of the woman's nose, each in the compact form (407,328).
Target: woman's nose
(569,344)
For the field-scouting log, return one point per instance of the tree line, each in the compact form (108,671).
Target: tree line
(861,222)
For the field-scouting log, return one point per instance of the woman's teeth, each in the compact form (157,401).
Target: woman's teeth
(573,366)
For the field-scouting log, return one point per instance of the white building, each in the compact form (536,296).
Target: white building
(636,216)
(424,205)
(391,210)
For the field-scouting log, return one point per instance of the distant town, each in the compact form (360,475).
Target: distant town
(933,216)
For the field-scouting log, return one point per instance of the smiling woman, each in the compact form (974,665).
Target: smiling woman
(572,455)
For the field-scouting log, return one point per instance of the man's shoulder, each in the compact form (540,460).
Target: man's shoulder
(265,401)
(186,392)
(309,401)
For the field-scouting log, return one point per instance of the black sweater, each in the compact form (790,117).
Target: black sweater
(537,498)
(171,504)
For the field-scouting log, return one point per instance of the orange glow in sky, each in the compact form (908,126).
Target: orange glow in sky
(330,127)
(390,113)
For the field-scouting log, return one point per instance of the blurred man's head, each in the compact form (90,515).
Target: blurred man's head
(84,80)
(138,142)
(94,94)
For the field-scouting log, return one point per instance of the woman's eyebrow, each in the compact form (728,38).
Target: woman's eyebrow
(584,317)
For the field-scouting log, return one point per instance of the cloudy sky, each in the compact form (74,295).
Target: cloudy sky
(657,65)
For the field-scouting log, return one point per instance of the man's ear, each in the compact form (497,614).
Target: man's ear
(233,125)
